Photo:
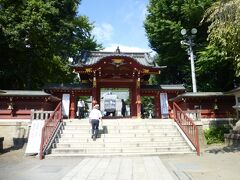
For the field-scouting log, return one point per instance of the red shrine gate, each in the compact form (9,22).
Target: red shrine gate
(116,70)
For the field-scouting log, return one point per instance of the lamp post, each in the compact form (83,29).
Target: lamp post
(188,41)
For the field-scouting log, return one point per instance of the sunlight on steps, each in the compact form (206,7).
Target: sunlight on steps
(121,137)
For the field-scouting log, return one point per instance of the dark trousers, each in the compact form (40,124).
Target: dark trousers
(95,125)
(80,112)
(123,112)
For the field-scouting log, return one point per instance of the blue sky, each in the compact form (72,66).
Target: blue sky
(117,23)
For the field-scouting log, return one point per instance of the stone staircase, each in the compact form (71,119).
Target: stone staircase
(121,137)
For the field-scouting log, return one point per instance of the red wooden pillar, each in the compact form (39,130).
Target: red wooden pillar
(136,98)
(157,105)
(95,89)
(72,105)
(133,99)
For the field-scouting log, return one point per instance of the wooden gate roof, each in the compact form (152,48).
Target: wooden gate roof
(89,58)
(120,66)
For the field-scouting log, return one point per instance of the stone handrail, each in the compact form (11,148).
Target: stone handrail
(40,115)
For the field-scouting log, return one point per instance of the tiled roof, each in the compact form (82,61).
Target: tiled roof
(1,91)
(27,93)
(89,58)
(199,94)
(67,86)
(165,87)
(233,91)
(23,93)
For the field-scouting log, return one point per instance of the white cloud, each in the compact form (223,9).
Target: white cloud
(135,13)
(125,48)
(142,9)
(103,32)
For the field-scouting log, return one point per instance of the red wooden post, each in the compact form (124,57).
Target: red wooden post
(95,90)
(138,97)
(72,105)
(157,105)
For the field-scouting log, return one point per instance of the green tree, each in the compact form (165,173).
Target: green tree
(37,39)
(216,72)
(163,24)
(224,30)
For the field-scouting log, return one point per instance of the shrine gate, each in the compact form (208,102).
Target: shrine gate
(131,70)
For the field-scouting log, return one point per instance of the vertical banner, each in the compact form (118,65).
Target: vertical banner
(35,136)
(65,105)
(164,105)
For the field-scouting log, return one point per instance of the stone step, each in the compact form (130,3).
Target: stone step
(123,131)
(121,137)
(118,154)
(120,150)
(109,139)
(107,130)
(118,145)
(121,122)
(125,135)
(109,127)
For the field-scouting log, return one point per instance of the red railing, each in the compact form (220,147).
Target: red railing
(187,125)
(49,128)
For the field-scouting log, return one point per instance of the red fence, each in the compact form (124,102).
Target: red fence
(15,114)
(49,128)
(187,125)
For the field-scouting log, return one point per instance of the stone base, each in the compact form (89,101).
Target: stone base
(232,139)
(1,144)
(14,132)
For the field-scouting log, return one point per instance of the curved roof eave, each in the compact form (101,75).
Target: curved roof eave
(93,57)
(28,93)
(178,87)
(199,94)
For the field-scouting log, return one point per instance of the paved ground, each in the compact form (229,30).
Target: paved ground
(216,162)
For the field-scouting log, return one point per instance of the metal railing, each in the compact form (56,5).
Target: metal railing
(49,128)
(187,125)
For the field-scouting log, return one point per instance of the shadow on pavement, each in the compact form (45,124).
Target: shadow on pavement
(10,149)
(225,149)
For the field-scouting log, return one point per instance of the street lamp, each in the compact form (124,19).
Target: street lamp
(188,41)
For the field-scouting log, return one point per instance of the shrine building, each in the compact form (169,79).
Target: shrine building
(97,71)
(129,70)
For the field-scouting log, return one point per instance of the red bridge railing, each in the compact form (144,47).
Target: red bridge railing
(49,128)
(187,125)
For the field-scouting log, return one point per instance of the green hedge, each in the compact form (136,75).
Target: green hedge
(215,134)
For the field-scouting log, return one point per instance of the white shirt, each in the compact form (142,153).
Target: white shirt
(80,104)
(95,114)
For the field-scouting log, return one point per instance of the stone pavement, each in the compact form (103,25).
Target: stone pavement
(214,163)
(121,168)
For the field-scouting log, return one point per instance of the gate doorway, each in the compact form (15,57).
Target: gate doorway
(115,102)
(83,105)
(147,107)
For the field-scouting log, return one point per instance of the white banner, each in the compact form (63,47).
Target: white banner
(65,104)
(34,138)
(164,105)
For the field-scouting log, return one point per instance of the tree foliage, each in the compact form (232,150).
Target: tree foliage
(224,30)
(215,68)
(37,37)
(163,24)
